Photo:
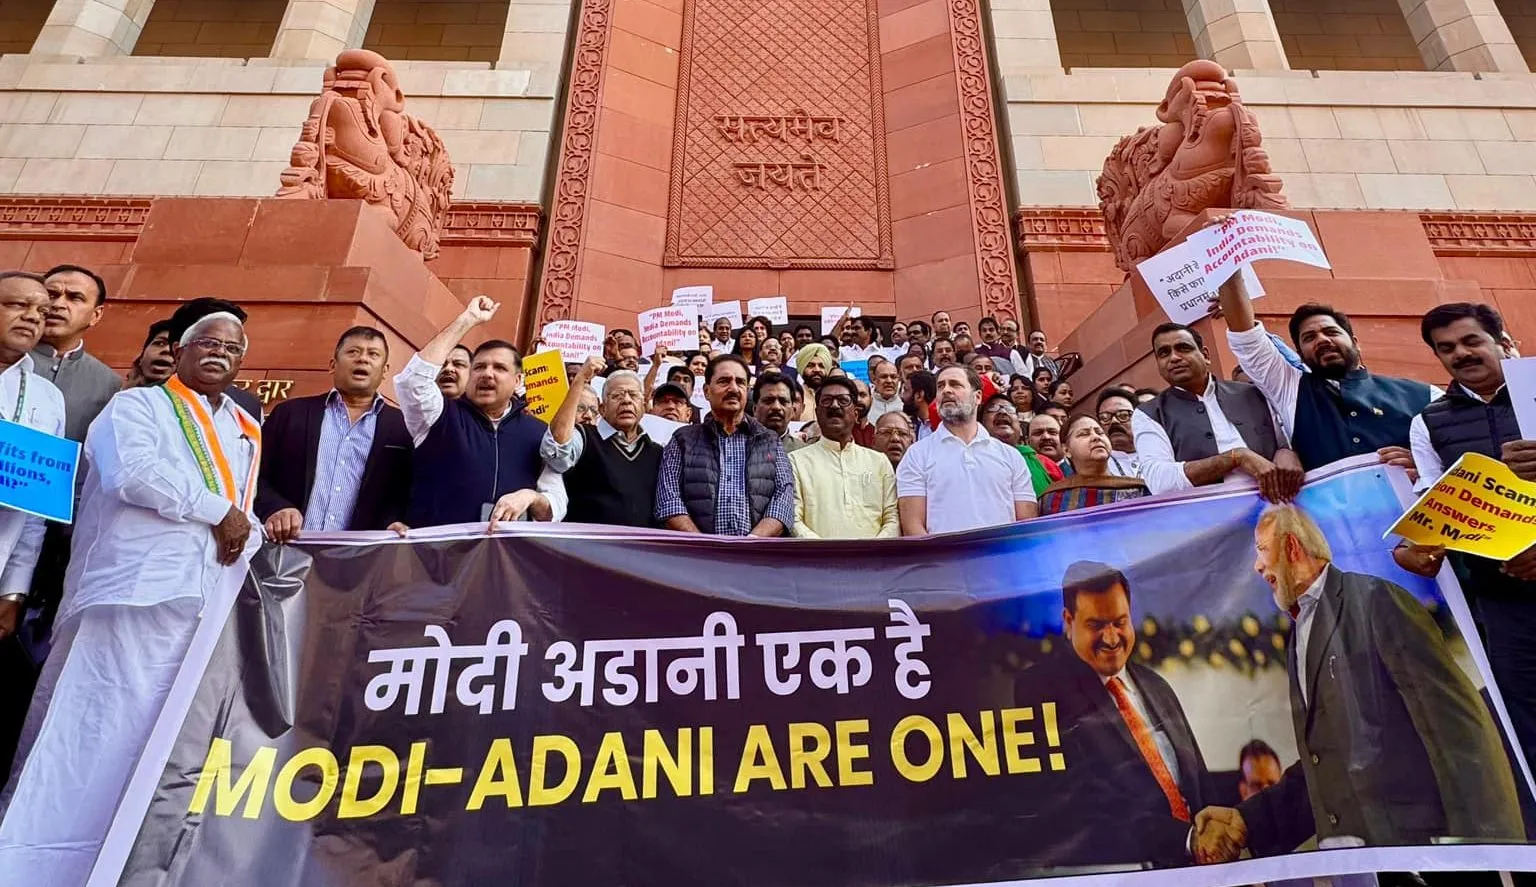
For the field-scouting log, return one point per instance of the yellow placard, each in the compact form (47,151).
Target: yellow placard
(1478,507)
(545,383)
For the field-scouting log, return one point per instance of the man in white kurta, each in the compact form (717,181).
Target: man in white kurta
(165,512)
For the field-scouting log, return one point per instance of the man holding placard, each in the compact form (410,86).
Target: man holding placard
(164,519)
(1477,415)
(1335,408)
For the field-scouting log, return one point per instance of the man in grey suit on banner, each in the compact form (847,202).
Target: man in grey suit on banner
(1396,745)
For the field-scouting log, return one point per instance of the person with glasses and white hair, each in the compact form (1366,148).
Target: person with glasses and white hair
(610,465)
(165,524)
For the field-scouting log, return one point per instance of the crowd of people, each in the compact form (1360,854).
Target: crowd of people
(872,431)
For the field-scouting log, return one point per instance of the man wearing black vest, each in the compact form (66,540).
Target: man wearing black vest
(477,457)
(1477,416)
(610,468)
(1201,430)
(729,476)
(1336,408)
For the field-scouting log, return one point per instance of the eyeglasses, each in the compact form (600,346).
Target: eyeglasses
(837,402)
(1121,416)
(586,411)
(215,346)
(893,432)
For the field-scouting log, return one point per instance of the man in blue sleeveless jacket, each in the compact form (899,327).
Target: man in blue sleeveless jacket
(477,456)
(1334,408)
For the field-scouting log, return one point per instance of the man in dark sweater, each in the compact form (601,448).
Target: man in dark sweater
(610,468)
(477,456)
(1476,415)
(729,476)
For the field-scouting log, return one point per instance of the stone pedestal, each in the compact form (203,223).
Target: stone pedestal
(304,270)
(1385,276)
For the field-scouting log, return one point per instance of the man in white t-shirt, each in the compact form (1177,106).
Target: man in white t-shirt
(960,477)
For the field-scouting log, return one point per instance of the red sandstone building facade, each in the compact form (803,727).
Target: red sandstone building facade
(902,155)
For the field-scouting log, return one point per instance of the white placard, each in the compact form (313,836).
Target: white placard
(675,326)
(775,308)
(1520,376)
(1248,236)
(696,297)
(830,317)
(729,310)
(1179,283)
(575,339)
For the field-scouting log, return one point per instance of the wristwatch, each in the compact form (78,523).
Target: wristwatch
(18,597)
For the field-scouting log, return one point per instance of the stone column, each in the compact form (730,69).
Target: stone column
(92,27)
(534,41)
(319,29)
(1237,33)
(1024,35)
(1463,35)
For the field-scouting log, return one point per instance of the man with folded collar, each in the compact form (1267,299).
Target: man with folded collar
(341,460)
(609,469)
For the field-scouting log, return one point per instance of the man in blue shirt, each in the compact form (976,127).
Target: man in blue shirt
(340,460)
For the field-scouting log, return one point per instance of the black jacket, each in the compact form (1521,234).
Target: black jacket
(290,442)
(1105,807)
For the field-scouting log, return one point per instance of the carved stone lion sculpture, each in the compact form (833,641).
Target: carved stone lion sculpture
(1207,153)
(358,144)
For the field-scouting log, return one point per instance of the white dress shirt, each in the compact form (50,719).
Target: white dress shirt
(144,533)
(1307,605)
(1425,457)
(878,407)
(967,485)
(1165,749)
(21,534)
(1276,378)
(1160,468)
(421,404)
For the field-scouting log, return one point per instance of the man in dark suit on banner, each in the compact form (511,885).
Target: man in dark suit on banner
(341,460)
(1134,770)
(1396,745)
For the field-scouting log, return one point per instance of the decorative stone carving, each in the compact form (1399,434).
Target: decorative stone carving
(359,144)
(779,144)
(1207,153)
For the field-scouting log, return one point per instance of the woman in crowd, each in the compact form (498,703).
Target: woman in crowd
(746,346)
(1040,396)
(1021,395)
(762,326)
(1061,394)
(787,343)
(1088,481)
(706,341)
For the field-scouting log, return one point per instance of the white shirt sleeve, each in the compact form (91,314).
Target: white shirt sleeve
(19,567)
(421,401)
(1425,459)
(1154,450)
(911,479)
(1270,371)
(562,457)
(552,485)
(124,444)
(1023,481)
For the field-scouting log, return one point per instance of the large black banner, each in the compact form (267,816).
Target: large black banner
(576,706)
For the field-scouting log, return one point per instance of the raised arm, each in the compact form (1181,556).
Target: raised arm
(421,401)
(563,426)
(479,310)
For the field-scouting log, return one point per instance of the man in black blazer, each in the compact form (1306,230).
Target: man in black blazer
(1397,746)
(341,460)
(1134,773)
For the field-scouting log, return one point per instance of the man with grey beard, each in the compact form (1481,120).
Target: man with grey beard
(960,477)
